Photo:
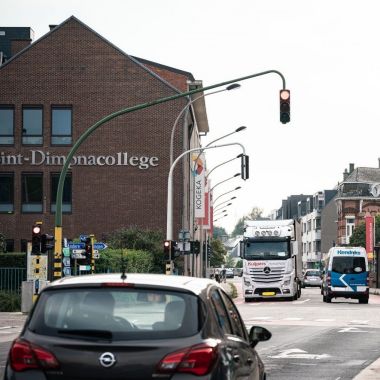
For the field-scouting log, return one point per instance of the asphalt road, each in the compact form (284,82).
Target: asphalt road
(315,340)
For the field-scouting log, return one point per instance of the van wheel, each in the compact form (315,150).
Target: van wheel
(363,300)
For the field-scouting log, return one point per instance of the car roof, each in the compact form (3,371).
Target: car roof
(192,284)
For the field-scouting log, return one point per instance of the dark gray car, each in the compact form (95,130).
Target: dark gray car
(142,327)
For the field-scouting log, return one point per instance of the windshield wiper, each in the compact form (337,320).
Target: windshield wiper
(105,334)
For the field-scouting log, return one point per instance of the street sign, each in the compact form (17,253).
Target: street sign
(67,271)
(66,252)
(79,250)
(84,267)
(100,245)
(96,255)
(66,261)
(76,245)
(77,256)
(83,238)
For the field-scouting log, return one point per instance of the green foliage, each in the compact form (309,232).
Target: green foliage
(239,227)
(229,262)
(239,264)
(13,260)
(135,239)
(218,253)
(357,238)
(134,261)
(219,231)
(10,302)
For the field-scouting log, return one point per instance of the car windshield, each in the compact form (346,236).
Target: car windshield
(313,273)
(267,250)
(348,265)
(116,314)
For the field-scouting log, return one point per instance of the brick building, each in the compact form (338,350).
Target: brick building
(54,89)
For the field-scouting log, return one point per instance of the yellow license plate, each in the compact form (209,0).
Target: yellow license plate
(268,293)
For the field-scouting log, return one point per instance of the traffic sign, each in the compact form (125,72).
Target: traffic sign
(77,256)
(79,250)
(76,245)
(66,251)
(100,245)
(83,238)
(84,267)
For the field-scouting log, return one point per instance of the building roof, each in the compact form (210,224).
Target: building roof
(362,174)
(174,78)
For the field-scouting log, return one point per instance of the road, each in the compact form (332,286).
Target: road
(310,339)
(315,340)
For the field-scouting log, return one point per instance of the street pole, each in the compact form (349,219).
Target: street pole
(92,129)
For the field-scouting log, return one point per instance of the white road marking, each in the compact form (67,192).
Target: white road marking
(296,353)
(359,322)
(324,320)
(299,302)
(352,329)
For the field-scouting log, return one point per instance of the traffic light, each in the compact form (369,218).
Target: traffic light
(88,250)
(195,247)
(244,166)
(284,106)
(170,248)
(167,246)
(47,242)
(36,239)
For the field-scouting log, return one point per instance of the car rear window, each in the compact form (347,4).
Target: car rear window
(313,273)
(348,265)
(116,314)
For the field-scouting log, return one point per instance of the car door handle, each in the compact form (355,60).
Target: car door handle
(236,358)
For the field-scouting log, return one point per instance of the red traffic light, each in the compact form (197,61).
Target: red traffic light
(36,229)
(284,106)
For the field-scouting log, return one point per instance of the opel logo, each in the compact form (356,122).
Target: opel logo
(266,270)
(107,359)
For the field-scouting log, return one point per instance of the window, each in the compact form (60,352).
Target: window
(350,225)
(221,313)
(66,195)
(237,324)
(32,126)
(31,184)
(6,192)
(318,223)
(7,125)
(61,126)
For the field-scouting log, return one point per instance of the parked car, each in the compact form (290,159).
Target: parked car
(229,273)
(140,327)
(312,277)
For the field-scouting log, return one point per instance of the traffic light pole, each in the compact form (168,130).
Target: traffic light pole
(92,129)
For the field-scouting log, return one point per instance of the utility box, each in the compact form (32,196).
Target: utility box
(29,292)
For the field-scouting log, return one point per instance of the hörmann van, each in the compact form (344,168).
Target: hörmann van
(346,274)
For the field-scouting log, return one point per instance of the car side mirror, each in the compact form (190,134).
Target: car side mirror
(258,334)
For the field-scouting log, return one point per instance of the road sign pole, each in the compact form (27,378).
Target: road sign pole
(92,237)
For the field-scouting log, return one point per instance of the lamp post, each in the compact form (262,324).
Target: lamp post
(219,206)
(187,106)
(223,163)
(225,180)
(215,220)
(58,211)
(227,192)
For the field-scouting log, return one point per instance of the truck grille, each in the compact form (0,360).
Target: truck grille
(258,275)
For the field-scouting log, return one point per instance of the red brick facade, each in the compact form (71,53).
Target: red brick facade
(74,66)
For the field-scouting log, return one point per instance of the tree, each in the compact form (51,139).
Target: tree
(219,231)
(255,214)
(230,262)
(218,253)
(357,238)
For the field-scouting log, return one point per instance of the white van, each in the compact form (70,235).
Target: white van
(346,274)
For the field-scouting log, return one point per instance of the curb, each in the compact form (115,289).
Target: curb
(374,291)
(372,372)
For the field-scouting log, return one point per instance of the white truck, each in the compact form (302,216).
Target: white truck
(269,250)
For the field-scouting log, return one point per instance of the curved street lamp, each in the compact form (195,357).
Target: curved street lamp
(187,106)
(223,163)
(227,192)
(215,220)
(216,208)
(219,183)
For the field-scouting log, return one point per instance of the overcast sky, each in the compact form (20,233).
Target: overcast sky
(328,51)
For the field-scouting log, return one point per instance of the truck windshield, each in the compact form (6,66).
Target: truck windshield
(267,250)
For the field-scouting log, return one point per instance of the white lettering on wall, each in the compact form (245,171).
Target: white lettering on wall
(38,158)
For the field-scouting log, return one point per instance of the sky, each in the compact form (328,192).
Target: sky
(328,52)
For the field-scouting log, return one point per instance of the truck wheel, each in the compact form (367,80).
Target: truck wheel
(247,299)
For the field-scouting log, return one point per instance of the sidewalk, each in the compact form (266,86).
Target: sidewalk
(372,372)
(374,291)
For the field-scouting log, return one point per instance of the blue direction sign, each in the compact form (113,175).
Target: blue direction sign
(83,238)
(100,245)
(76,245)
